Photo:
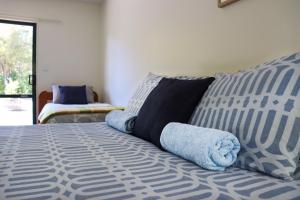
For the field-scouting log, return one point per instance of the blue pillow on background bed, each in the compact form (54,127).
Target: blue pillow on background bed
(261,106)
(56,94)
(73,94)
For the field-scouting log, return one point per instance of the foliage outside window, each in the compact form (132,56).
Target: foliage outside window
(15,59)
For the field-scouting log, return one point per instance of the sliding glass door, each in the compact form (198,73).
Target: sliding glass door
(17,73)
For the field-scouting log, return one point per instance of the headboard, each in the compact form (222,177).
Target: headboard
(46,97)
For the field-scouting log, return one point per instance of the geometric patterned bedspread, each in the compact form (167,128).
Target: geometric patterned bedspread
(93,161)
(77,118)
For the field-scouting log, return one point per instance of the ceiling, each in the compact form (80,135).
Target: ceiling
(92,1)
(89,1)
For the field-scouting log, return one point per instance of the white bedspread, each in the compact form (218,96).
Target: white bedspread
(53,108)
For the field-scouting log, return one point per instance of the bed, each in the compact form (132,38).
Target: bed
(59,113)
(94,161)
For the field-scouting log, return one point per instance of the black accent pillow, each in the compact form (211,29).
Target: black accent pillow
(73,94)
(172,100)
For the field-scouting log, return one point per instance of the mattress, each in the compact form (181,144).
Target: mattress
(73,113)
(93,161)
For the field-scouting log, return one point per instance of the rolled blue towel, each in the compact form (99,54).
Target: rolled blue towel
(121,120)
(209,148)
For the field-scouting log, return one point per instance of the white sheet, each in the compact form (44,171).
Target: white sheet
(51,108)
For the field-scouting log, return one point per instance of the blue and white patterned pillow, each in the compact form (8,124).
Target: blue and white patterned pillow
(261,106)
(144,89)
(142,92)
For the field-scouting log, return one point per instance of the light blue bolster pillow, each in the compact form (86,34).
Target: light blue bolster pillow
(209,148)
(121,120)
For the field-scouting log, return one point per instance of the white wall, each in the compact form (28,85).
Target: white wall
(69,49)
(192,37)
(171,37)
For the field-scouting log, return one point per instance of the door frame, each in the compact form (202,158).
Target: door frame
(34,38)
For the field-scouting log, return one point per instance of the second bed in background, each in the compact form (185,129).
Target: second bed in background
(55,112)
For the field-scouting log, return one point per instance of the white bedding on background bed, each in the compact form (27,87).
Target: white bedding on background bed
(51,108)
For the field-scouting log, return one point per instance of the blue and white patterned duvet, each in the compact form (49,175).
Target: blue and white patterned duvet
(93,161)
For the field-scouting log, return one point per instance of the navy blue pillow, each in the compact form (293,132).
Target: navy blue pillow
(172,100)
(73,94)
